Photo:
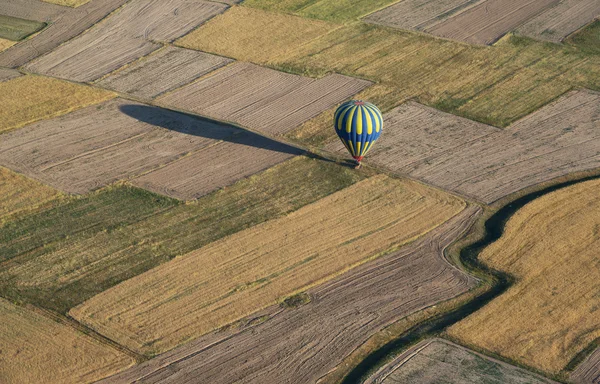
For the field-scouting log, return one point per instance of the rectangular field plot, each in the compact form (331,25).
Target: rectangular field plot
(98,145)
(18,193)
(561,20)
(217,166)
(163,71)
(124,37)
(439,361)
(588,372)
(551,312)
(36,349)
(233,277)
(263,99)
(15,29)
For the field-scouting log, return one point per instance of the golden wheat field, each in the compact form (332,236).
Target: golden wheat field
(26,99)
(20,194)
(233,277)
(5,44)
(551,313)
(38,350)
(68,3)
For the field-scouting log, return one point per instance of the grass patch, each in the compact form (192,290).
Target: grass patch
(550,313)
(27,99)
(5,44)
(587,39)
(15,29)
(62,256)
(296,300)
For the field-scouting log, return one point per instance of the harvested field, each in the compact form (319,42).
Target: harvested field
(101,144)
(561,20)
(486,163)
(254,35)
(439,361)
(5,44)
(588,372)
(8,74)
(250,270)
(551,312)
(31,10)
(16,29)
(19,194)
(486,22)
(163,71)
(215,167)
(66,27)
(68,3)
(124,37)
(268,101)
(36,349)
(26,99)
(62,256)
(301,345)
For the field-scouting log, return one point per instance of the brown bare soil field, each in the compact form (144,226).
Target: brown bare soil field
(163,71)
(18,193)
(300,345)
(561,20)
(101,144)
(31,10)
(8,74)
(588,372)
(255,35)
(487,163)
(36,349)
(250,270)
(26,99)
(263,99)
(436,361)
(551,312)
(124,37)
(217,166)
(416,14)
(63,28)
(489,20)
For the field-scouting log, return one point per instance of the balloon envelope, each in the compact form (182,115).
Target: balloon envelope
(358,124)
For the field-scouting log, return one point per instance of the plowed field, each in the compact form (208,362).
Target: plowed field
(124,37)
(163,71)
(551,313)
(27,99)
(269,101)
(236,276)
(18,193)
(301,345)
(8,74)
(31,10)
(101,144)
(588,372)
(38,350)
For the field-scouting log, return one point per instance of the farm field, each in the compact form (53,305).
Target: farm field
(68,3)
(162,71)
(71,24)
(588,372)
(27,99)
(52,352)
(96,241)
(265,100)
(550,314)
(16,29)
(91,148)
(5,44)
(31,10)
(132,32)
(439,361)
(588,39)
(238,275)
(559,138)
(341,316)
(8,74)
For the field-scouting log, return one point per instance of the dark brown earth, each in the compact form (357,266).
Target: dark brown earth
(301,345)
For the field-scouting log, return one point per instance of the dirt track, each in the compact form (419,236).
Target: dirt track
(31,10)
(163,71)
(561,20)
(217,166)
(124,37)
(263,99)
(100,144)
(301,345)
(66,27)
(588,372)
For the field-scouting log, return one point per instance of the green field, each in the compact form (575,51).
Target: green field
(62,256)
(587,39)
(15,29)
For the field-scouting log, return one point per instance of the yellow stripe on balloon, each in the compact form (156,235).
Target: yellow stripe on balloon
(359,122)
(369,122)
(367,147)
(351,148)
(358,144)
(349,119)
(346,145)
(340,117)
(375,115)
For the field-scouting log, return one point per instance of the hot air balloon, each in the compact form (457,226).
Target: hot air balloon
(358,124)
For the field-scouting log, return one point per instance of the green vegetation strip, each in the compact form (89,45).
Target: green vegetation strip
(15,29)
(62,256)
(587,39)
